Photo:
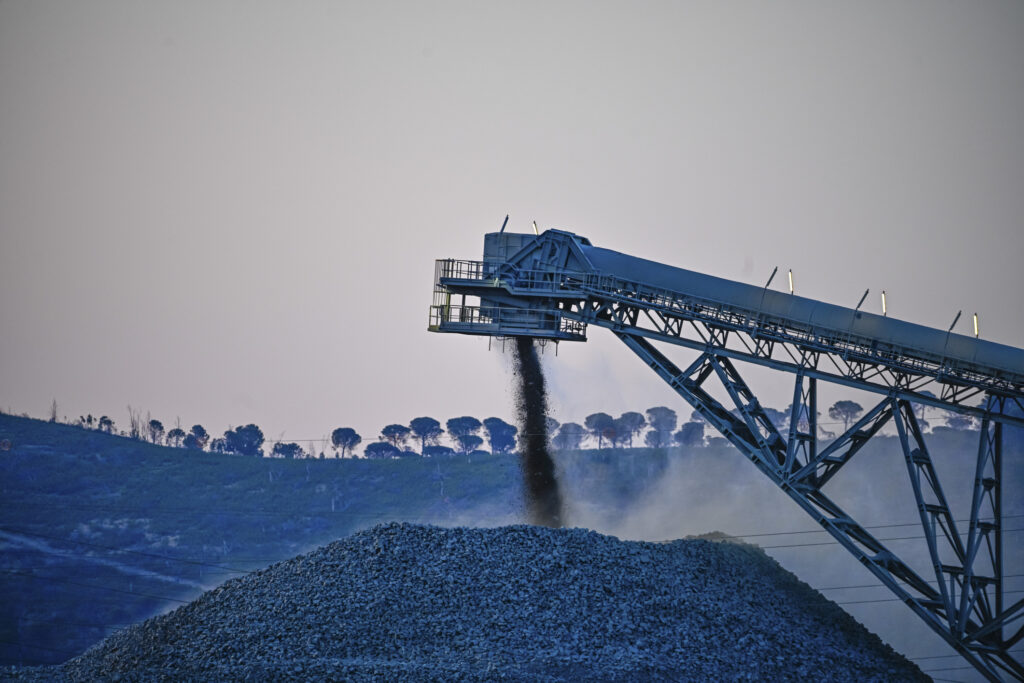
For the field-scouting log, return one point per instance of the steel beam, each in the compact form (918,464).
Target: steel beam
(962,604)
(554,280)
(812,359)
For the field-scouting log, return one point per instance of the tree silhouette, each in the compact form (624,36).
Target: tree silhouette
(427,430)
(569,437)
(921,406)
(663,422)
(690,434)
(197,438)
(287,450)
(381,449)
(156,430)
(106,424)
(959,422)
(396,435)
(467,443)
(345,439)
(438,451)
(601,426)
(500,434)
(627,426)
(175,436)
(135,426)
(247,440)
(803,421)
(462,426)
(845,411)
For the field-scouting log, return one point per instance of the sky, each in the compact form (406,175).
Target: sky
(228,212)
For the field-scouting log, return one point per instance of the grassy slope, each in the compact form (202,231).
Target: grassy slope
(188,515)
(62,484)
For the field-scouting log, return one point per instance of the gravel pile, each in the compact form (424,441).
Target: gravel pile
(405,602)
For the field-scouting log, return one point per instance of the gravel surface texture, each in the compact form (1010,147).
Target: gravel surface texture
(401,602)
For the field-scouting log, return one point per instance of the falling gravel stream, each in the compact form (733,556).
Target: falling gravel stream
(543,499)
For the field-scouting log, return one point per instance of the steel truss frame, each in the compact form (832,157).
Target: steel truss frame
(666,316)
(964,602)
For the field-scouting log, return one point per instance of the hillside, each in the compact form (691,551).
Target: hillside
(99,531)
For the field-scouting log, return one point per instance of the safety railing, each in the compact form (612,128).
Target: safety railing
(460,269)
(564,283)
(504,321)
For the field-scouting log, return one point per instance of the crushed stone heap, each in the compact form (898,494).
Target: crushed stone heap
(406,602)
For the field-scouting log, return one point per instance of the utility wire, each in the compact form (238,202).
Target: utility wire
(833,541)
(123,550)
(90,585)
(243,571)
(70,623)
(40,647)
(901,583)
(872,526)
(954,655)
(370,515)
(864,602)
(185,510)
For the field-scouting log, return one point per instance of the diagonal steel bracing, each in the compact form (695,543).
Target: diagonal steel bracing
(751,340)
(551,288)
(964,601)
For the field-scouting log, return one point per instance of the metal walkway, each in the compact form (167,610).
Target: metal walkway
(555,285)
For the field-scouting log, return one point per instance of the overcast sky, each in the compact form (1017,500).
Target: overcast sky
(229,212)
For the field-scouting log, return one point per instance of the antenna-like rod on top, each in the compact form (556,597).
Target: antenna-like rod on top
(866,291)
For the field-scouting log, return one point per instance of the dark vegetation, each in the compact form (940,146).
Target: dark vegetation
(657,427)
(100,530)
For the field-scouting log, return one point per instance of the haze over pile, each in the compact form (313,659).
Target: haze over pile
(229,213)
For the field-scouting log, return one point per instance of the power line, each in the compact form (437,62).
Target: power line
(872,526)
(40,647)
(123,550)
(864,602)
(370,515)
(89,585)
(75,624)
(184,510)
(953,655)
(226,569)
(833,541)
(901,583)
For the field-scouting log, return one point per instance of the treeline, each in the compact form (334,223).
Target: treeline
(657,427)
